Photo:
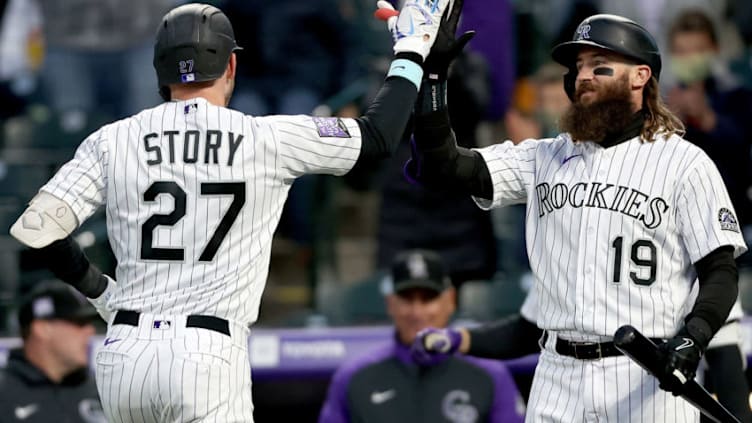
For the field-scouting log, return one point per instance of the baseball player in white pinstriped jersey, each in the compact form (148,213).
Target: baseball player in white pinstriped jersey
(623,217)
(193,193)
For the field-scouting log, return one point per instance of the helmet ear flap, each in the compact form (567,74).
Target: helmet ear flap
(569,79)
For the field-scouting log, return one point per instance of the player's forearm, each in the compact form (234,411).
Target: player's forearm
(718,288)
(69,263)
(437,160)
(383,124)
(441,163)
(505,339)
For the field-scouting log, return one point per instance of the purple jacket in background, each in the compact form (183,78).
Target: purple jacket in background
(493,22)
(382,386)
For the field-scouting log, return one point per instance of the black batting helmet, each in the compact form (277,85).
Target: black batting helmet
(609,32)
(194,43)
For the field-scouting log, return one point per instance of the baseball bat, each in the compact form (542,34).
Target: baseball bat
(644,352)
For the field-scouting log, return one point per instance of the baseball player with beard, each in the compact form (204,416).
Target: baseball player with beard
(193,192)
(624,216)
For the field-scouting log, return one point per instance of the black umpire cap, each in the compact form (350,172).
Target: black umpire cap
(419,269)
(55,300)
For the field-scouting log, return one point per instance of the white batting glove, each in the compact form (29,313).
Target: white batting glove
(414,28)
(101,303)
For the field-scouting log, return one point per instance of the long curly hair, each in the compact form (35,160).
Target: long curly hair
(659,120)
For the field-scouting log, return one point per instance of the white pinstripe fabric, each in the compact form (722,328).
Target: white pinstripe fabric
(612,389)
(612,235)
(177,374)
(111,167)
(571,248)
(178,160)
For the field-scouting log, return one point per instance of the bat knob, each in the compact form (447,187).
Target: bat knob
(624,335)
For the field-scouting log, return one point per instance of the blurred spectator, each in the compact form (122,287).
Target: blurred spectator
(713,104)
(535,113)
(20,54)
(411,216)
(387,386)
(99,57)
(657,15)
(47,380)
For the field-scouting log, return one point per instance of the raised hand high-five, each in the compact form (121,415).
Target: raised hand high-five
(415,27)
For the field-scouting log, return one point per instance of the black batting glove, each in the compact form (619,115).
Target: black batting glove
(680,357)
(445,49)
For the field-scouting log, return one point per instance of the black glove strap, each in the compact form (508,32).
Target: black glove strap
(432,97)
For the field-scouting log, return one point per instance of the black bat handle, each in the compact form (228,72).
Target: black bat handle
(644,352)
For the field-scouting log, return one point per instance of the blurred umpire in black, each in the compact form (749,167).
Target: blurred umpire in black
(47,379)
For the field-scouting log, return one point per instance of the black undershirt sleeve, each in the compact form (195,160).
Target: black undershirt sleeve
(505,339)
(443,163)
(69,263)
(383,124)
(718,280)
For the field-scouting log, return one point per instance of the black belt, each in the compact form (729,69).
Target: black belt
(591,350)
(129,317)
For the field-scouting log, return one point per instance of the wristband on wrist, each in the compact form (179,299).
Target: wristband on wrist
(407,69)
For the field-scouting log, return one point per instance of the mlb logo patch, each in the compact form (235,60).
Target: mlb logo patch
(188,77)
(190,108)
(162,324)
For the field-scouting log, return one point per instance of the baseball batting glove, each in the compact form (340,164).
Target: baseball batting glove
(680,355)
(432,345)
(446,47)
(414,28)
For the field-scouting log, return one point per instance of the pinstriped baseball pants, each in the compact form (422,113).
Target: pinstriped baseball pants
(162,371)
(612,389)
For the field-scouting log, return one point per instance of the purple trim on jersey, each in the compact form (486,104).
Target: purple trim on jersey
(332,127)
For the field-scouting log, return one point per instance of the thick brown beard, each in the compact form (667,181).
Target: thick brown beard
(609,114)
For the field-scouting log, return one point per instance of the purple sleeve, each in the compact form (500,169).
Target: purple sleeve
(493,23)
(335,409)
(508,405)
(335,406)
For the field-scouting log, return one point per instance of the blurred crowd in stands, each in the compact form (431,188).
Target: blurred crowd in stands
(68,67)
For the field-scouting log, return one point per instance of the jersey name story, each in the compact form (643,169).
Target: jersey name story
(617,198)
(209,147)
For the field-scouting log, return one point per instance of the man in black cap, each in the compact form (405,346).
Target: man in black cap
(386,385)
(47,378)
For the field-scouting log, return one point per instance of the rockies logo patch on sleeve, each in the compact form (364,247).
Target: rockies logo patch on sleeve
(331,127)
(727,220)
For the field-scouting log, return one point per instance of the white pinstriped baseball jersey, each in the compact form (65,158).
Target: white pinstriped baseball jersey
(612,234)
(193,194)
